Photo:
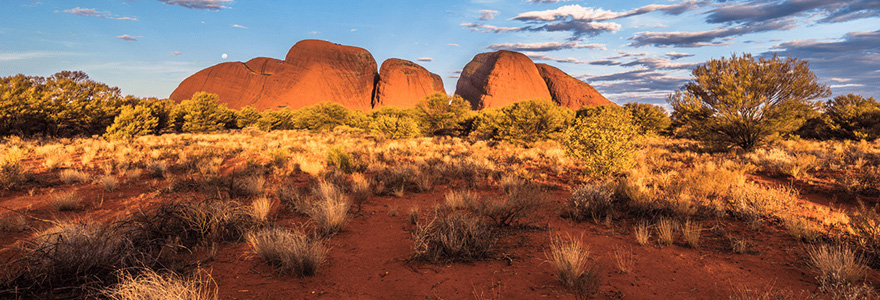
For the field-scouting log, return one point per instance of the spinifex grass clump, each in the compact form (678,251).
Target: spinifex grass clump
(453,237)
(291,251)
(573,268)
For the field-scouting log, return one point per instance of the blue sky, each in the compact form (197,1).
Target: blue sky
(629,50)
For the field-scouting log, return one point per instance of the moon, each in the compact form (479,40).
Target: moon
(224,56)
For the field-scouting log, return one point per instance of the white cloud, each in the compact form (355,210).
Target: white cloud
(453,45)
(12,56)
(487,14)
(551,46)
(175,53)
(425,59)
(199,4)
(489,28)
(126,37)
(239,26)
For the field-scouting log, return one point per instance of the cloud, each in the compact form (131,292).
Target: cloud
(541,47)
(570,60)
(656,63)
(199,4)
(91,12)
(239,26)
(489,28)
(175,53)
(855,57)
(86,12)
(487,14)
(545,1)
(126,37)
(676,55)
(758,11)
(13,56)
(313,32)
(587,21)
(425,59)
(704,38)
(642,85)
(453,45)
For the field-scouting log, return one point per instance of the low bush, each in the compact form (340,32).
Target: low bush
(453,237)
(66,201)
(573,267)
(524,121)
(589,201)
(604,138)
(837,265)
(150,285)
(290,251)
(133,121)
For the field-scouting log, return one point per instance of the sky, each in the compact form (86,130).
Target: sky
(631,51)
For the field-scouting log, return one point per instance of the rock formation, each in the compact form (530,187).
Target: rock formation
(317,71)
(403,84)
(569,91)
(313,72)
(496,79)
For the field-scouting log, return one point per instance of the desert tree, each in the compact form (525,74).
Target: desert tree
(743,101)
(650,118)
(441,114)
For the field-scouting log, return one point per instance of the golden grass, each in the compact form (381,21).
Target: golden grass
(625,259)
(149,285)
(69,176)
(837,265)
(66,201)
(570,260)
(290,251)
(108,182)
(691,232)
(261,207)
(666,231)
(642,233)
(330,210)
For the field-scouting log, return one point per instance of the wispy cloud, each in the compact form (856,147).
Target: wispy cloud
(175,53)
(538,56)
(704,38)
(425,59)
(126,37)
(542,47)
(489,28)
(25,55)
(239,26)
(199,4)
(91,12)
(453,45)
(676,55)
(487,14)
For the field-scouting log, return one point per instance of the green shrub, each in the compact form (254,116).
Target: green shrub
(133,121)
(277,119)
(247,116)
(339,158)
(327,116)
(746,101)
(604,138)
(203,113)
(651,119)
(395,123)
(525,121)
(853,117)
(441,114)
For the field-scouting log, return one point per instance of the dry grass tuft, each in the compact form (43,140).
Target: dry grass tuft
(573,268)
(800,229)
(589,201)
(330,209)
(69,176)
(109,182)
(666,231)
(837,265)
(66,201)
(290,251)
(691,232)
(460,199)
(625,259)
(261,208)
(452,237)
(150,285)
(642,233)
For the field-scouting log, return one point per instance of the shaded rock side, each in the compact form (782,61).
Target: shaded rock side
(313,72)
(569,91)
(496,79)
(403,84)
